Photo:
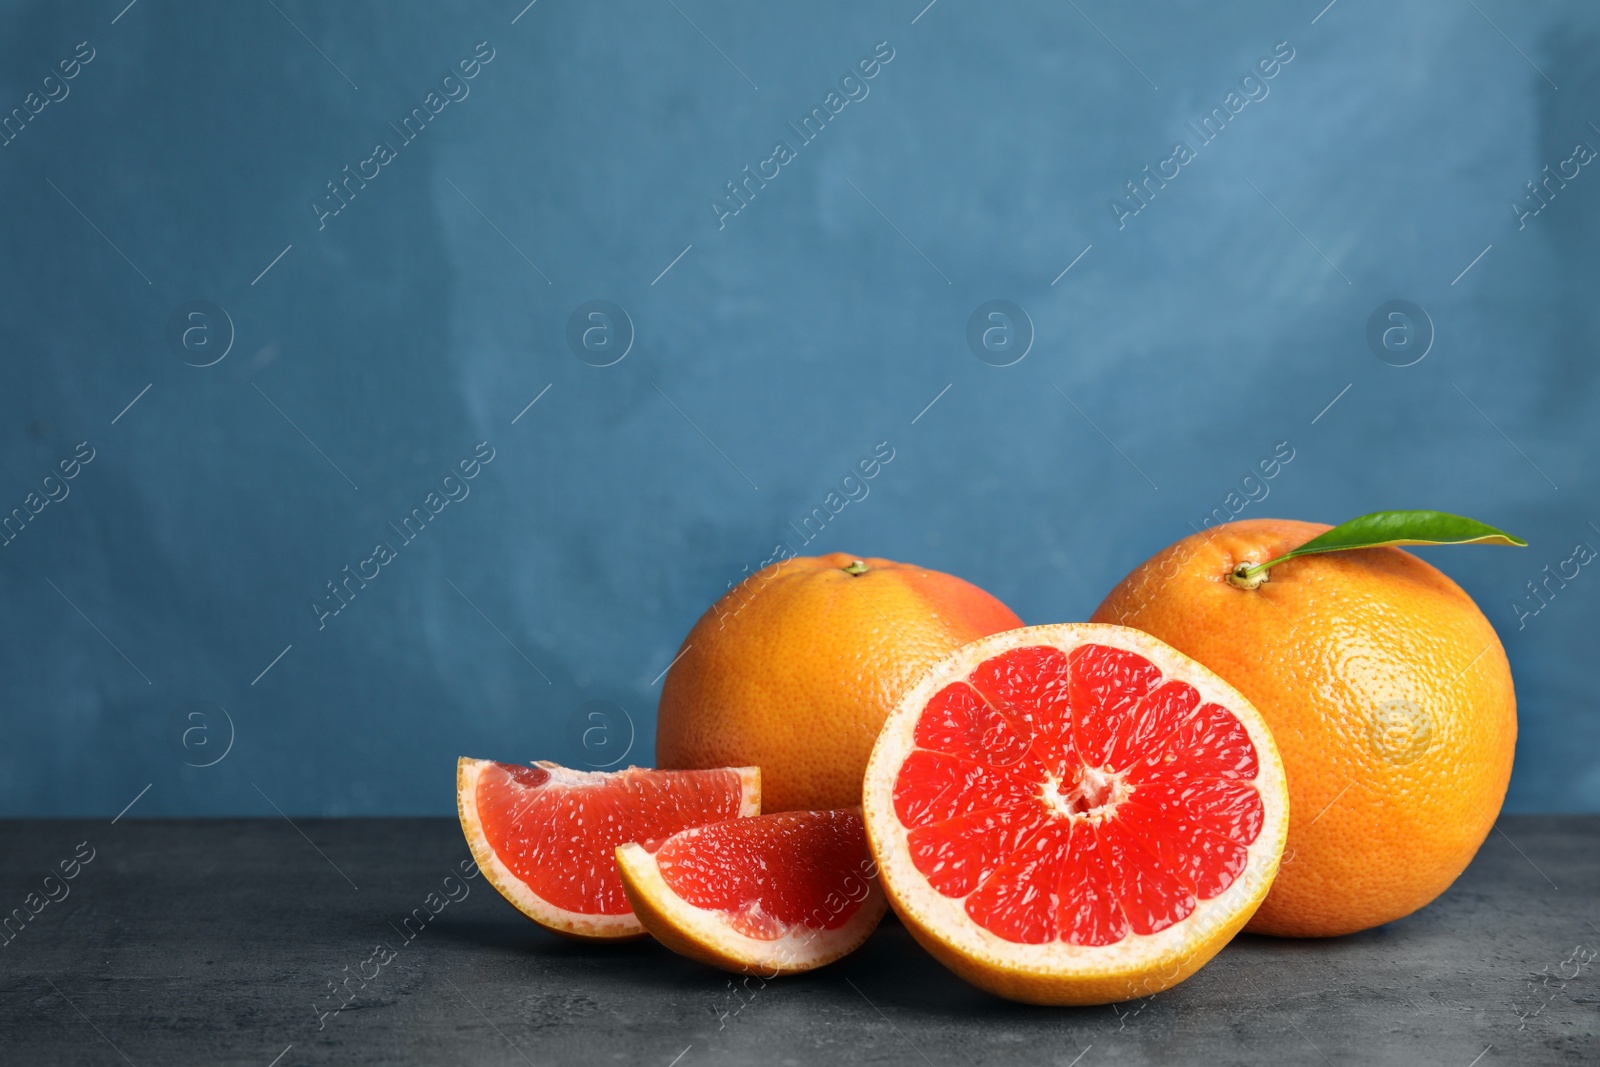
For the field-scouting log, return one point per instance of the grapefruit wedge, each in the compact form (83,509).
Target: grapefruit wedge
(1074,814)
(546,835)
(777,894)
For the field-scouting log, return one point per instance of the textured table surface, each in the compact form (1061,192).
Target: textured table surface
(220,942)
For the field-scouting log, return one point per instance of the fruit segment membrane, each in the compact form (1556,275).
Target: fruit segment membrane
(1077,796)
(774,874)
(559,833)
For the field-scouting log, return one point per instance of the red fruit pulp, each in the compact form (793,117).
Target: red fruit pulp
(773,873)
(559,834)
(1077,796)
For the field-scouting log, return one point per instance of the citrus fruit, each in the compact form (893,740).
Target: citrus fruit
(776,894)
(1387,692)
(1074,814)
(794,670)
(546,835)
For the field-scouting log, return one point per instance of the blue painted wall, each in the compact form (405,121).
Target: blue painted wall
(161,605)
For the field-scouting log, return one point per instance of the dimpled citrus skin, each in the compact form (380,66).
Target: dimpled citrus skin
(1387,692)
(798,666)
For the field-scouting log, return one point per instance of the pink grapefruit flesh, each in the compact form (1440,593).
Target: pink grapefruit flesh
(776,894)
(546,835)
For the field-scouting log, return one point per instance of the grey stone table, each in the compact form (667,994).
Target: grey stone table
(222,942)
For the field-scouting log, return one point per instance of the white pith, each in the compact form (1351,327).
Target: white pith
(1102,791)
(1135,955)
(800,948)
(518,892)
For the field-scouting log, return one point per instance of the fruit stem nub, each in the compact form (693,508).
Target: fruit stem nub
(1246,576)
(856,567)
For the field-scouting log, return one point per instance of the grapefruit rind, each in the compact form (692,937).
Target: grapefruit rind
(703,934)
(1059,972)
(572,924)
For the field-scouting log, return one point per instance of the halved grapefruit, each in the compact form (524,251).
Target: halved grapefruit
(777,894)
(546,835)
(1074,814)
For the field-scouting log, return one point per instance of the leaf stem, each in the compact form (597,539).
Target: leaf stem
(1376,530)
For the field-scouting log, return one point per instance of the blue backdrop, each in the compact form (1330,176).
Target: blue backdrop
(282,280)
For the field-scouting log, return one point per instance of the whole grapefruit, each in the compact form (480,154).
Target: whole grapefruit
(796,668)
(1387,692)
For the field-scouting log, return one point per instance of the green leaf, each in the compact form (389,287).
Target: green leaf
(1389,528)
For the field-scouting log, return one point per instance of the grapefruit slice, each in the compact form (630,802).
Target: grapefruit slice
(546,835)
(777,894)
(1075,814)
